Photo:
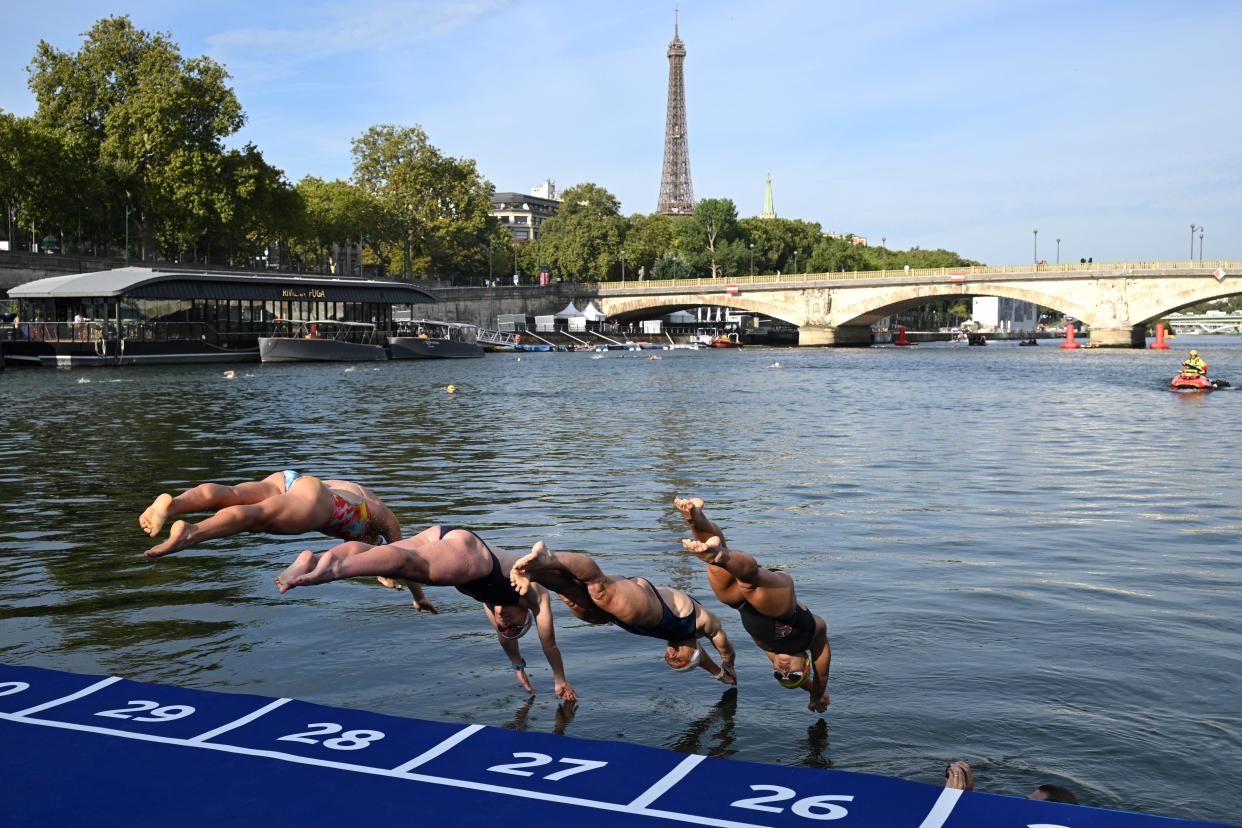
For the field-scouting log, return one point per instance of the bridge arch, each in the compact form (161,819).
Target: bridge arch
(1183,298)
(884,302)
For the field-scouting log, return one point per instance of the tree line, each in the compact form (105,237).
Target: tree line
(126,153)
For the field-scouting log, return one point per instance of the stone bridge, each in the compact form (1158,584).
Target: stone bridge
(1115,301)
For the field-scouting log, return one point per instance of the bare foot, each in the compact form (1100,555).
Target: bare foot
(304,563)
(178,538)
(391,583)
(540,556)
(152,520)
(711,551)
(700,526)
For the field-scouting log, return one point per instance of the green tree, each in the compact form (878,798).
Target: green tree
(434,209)
(673,266)
(717,222)
(335,213)
(583,241)
(147,119)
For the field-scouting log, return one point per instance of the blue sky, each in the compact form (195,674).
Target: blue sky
(966,125)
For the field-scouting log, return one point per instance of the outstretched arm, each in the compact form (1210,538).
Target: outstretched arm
(712,628)
(821,657)
(547,639)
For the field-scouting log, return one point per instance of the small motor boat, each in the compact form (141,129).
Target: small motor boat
(1196,382)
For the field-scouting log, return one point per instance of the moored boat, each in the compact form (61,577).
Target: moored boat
(431,339)
(321,340)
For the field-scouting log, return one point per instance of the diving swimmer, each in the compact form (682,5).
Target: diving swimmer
(634,604)
(448,556)
(793,638)
(283,503)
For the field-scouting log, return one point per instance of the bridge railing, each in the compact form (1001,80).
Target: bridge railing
(1084,268)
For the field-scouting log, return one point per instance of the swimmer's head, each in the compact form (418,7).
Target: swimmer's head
(512,621)
(683,656)
(791,671)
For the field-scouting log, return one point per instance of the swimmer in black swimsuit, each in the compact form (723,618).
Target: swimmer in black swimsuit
(633,604)
(793,638)
(447,556)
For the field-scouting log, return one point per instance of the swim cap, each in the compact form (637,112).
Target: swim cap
(525,627)
(694,660)
(1194,352)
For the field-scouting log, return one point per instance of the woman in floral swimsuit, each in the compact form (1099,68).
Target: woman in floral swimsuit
(283,503)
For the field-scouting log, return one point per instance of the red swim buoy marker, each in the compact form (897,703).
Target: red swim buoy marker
(1069,338)
(1159,344)
(901,336)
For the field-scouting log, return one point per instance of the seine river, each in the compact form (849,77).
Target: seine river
(1028,558)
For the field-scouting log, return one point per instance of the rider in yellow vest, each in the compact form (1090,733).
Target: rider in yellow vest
(1195,366)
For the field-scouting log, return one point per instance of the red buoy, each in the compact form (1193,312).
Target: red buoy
(1069,337)
(1159,344)
(901,336)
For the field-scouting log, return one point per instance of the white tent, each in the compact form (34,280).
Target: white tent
(592,313)
(569,312)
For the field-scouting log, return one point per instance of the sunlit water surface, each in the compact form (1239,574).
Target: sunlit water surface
(1027,557)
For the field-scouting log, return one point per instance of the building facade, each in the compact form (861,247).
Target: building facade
(523,215)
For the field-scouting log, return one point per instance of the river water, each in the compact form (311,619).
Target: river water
(1027,557)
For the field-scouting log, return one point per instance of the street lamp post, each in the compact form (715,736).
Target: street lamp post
(1058,251)
(752,258)
(623,264)
(128,210)
(1192,242)
(1036,232)
(1200,244)
(795,262)
(490,275)
(516,273)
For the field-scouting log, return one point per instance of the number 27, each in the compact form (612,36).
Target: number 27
(537,759)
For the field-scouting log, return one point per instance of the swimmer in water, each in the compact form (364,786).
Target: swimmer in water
(793,638)
(448,556)
(283,503)
(776,365)
(634,604)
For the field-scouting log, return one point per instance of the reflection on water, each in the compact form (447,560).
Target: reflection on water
(1027,557)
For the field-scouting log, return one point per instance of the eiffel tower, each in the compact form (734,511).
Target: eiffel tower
(676,191)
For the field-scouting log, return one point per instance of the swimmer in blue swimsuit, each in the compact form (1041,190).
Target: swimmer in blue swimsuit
(633,604)
(448,556)
(283,503)
(793,638)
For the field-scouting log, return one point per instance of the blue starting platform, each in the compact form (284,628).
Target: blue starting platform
(104,751)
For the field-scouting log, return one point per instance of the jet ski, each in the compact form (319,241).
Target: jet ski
(1196,382)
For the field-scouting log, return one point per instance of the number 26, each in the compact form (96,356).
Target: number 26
(803,807)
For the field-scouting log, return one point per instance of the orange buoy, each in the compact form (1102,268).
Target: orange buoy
(901,336)
(1069,338)
(1159,344)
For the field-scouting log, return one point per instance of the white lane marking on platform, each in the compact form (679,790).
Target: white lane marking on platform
(86,691)
(247,719)
(449,743)
(670,779)
(433,780)
(941,810)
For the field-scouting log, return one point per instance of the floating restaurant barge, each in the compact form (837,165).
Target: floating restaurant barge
(138,315)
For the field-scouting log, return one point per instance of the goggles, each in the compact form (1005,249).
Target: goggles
(794,678)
